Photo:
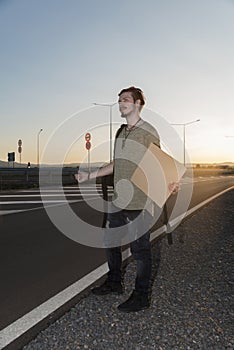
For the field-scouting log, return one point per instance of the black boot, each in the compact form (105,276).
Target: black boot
(136,302)
(108,287)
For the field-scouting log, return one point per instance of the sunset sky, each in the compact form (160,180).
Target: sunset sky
(59,56)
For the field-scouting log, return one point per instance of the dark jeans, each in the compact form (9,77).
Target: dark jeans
(140,248)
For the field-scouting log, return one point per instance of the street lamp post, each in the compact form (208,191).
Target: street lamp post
(110,105)
(184,125)
(38,148)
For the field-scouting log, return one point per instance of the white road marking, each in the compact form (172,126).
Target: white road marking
(51,195)
(7,212)
(89,192)
(61,189)
(92,189)
(41,202)
(23,324)
(172,223)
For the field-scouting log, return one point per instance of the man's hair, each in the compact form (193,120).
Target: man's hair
(136,93)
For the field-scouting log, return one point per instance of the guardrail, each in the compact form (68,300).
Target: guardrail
(13,178)
(29,177)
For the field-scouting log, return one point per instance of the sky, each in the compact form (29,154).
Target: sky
(59,56)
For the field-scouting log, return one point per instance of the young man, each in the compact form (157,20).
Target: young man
(129,202)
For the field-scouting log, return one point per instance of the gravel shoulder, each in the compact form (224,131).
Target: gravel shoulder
(192,305)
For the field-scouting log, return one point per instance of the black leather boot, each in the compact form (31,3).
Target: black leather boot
(136,302)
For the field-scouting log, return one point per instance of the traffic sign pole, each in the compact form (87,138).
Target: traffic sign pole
(20,148)
(11,158)
(89,161)
(88,147)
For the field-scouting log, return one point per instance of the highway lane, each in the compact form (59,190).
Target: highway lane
(203,188)
(29,199)
(37,261)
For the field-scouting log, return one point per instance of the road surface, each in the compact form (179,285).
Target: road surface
(37,261)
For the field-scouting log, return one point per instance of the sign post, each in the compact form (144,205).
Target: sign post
(11,158)
(20,148)
(88,147)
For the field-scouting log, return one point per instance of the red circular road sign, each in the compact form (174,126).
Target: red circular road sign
(19,149)
(88,145)
(87,136)
(20,143)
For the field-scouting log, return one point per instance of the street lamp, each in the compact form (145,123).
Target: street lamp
(38,148)
(110,105)
(184,125)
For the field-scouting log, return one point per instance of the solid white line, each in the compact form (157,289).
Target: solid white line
(172,223)
(23,324)
(51,195)
(37,202)
(60,189)
(7,212)
(83,186)
(48,201)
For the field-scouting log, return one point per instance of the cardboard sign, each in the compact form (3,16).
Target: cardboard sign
(155,172)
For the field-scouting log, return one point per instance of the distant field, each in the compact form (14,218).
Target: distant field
(212,171)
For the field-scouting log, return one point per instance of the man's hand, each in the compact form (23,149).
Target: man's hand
(173,187)
(81,176)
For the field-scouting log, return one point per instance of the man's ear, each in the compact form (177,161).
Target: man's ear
(138,102)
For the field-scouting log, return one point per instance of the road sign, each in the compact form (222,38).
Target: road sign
(19,149)
(88,145)
(20,143)
(11,156)
(87,136)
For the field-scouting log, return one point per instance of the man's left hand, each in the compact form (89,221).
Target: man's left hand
(173,187)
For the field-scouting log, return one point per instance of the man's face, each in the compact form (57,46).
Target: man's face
(126,104)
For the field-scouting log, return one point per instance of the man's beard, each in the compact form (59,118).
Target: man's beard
(122,115)
(126,114)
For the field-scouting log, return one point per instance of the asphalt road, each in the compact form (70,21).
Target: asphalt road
(37,261)
(192,290)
